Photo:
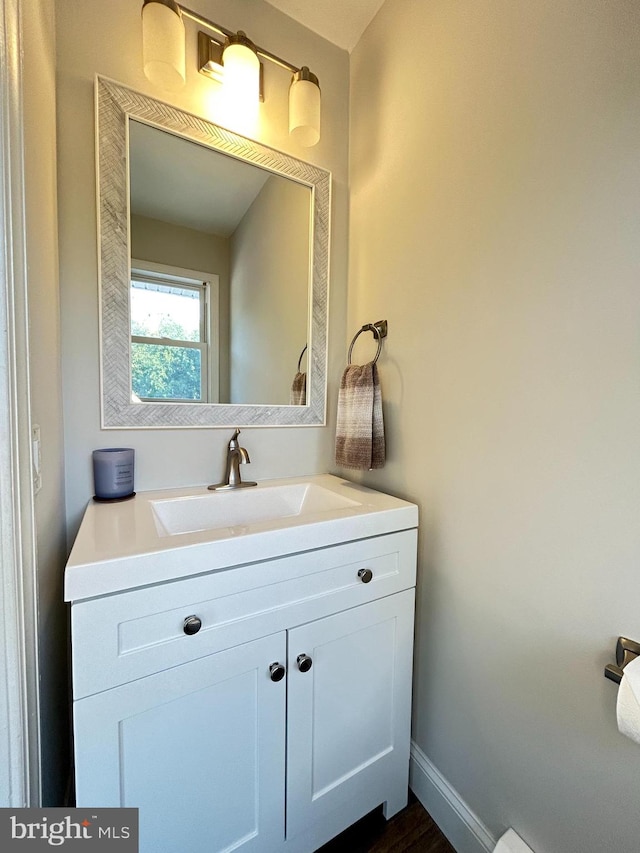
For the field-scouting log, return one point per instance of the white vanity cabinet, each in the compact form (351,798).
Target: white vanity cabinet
(349,715)
(264,707)
(198,749)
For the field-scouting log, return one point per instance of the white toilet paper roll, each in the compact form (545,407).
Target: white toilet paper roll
(511,842)
(628,706)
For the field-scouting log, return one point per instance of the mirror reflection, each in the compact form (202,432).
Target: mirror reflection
(220,276)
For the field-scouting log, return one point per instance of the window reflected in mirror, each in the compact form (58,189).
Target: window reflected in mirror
(171,340)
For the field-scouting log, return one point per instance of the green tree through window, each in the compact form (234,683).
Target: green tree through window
(169,336)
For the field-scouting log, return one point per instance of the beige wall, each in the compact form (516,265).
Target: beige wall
(494,222)
(270,270)
(174,245)
(105,38)
(45,376)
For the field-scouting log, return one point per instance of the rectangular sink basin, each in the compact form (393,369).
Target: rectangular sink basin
(238,509)
(166,534)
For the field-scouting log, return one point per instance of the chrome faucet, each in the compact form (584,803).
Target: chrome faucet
(236,456)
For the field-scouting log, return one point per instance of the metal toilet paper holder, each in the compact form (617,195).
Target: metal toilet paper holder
(626,651)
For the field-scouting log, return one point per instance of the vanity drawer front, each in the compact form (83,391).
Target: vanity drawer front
(133,634)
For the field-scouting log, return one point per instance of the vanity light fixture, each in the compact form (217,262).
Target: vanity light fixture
(241,69)
(230,58)
(163,43)
(304,107)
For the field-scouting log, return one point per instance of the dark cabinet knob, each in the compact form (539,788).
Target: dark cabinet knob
(276,672)
(365,575)
(191,625)
(304,663)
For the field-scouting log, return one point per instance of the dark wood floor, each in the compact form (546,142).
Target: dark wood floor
(410,831)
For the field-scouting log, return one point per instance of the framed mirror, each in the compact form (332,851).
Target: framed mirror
(213,262)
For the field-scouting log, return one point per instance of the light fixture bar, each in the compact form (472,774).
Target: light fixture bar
(223,31)
(242,78)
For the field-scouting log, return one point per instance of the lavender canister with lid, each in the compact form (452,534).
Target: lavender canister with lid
(113,473)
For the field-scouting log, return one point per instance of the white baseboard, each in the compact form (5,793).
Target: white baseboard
(464,830)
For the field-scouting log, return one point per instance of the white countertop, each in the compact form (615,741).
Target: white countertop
(120,545)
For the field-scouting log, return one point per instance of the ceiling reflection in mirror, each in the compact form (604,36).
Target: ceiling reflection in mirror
(213,272)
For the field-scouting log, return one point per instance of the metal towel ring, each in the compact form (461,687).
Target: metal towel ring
(378,335)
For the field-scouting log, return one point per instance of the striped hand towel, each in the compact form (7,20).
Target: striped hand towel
(360,428)
(298,394)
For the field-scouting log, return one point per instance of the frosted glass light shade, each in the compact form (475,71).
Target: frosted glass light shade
(304,108)
(241,75)
(163,44)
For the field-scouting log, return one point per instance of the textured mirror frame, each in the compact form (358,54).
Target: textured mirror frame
(115,104)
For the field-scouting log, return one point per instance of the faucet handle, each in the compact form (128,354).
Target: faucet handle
(233,443)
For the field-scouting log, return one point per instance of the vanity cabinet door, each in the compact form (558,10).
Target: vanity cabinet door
(349,713)
(199,749)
